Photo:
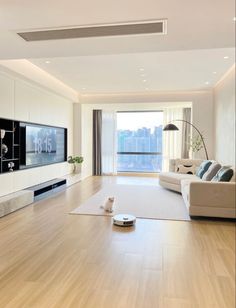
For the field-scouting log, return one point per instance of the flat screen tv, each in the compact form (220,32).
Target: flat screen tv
(44,144)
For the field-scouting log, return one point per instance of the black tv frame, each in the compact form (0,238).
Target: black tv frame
(22,126)
(16,142)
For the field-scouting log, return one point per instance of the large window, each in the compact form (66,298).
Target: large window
(139,137)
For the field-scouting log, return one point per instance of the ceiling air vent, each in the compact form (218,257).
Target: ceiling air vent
(146,27)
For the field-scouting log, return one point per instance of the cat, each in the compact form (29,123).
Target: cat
(108,206)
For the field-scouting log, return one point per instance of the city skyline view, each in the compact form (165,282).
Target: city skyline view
(143,137)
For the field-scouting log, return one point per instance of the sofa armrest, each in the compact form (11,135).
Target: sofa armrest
(215,194)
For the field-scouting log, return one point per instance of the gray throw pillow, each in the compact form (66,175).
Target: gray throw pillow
(211,172)
(203,168)
(223,175)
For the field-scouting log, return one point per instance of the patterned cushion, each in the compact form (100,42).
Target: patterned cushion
(223,175)
(203,168)
(186,169)
(211,172)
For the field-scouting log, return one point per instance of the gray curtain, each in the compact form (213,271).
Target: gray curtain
(97,142)
(186,133)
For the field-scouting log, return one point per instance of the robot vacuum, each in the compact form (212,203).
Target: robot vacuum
(124,220)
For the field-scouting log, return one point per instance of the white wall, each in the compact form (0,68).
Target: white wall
(29,71)
(202,114)
(224,104)
(25,101)
(86,139)
(77,129)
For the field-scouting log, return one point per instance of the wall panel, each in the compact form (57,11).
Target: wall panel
(25,101)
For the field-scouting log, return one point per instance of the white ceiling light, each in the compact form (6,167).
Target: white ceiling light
(47,62)
(214,73)
(144,80)
(207,82)
(226,57)
(141,69)
(234,19)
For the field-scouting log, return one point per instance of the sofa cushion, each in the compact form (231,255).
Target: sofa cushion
(223,175)
(183,161)
(186,169)
(185,189)
(185,184)
(211,172)
(203,168)
(175,178)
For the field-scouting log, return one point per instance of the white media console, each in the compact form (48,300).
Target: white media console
(15,201)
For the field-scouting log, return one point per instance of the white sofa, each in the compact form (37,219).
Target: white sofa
(202,198)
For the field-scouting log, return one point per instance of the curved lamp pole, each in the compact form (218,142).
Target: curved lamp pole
(172,127)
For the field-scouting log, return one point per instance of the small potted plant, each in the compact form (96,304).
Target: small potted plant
(76,161)
(196,143)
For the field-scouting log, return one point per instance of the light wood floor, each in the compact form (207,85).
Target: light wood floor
(51,259)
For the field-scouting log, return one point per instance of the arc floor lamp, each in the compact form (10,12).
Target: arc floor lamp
(172,127)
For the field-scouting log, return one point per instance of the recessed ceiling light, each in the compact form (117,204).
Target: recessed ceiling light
(83,88)
(234,19)
(141,69)
(226,57)
(47,62)
(207,82)
(214,73)
(144,80)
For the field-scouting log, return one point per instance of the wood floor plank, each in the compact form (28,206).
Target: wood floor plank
(50,259)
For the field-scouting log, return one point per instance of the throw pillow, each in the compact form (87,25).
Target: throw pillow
(211,172)
(223,175)
(233,179)
(203,168)
(186,169)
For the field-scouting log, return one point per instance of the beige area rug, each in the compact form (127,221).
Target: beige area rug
(153,202)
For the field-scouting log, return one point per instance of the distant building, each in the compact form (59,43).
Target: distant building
(140,140)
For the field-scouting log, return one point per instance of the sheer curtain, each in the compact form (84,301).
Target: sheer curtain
(186,135)
(109,142)
(172,140)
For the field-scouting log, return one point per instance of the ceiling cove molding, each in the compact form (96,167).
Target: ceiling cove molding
(35,74)
(146,93)
(154,97)
(230,70)
(98,30)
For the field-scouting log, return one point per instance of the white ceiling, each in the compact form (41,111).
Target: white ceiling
(200,34)
(191,25)
(162,71)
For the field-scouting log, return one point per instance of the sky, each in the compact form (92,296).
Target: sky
(135,120)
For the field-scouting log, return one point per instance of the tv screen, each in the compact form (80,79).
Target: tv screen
(44,145)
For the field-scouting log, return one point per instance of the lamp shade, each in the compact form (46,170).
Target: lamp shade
(170,127)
